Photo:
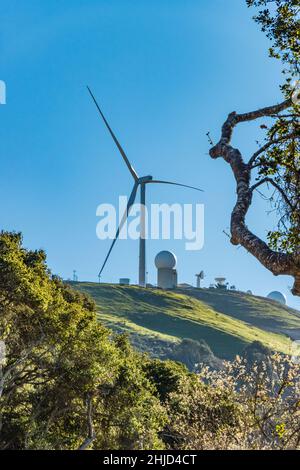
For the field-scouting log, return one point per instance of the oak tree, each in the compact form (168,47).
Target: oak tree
(276,163)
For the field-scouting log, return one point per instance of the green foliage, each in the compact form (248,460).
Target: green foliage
(165,376)
(67,382)
(130,415)
(280,20)
(282,162)
(59,360)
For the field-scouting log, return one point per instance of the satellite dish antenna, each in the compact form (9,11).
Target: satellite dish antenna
(139,182)
(220,282)
(199,277)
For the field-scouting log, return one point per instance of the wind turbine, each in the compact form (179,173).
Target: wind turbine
(138,182)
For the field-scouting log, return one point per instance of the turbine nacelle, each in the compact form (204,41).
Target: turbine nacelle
(145,179)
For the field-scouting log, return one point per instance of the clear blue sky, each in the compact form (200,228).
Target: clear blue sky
(165,73)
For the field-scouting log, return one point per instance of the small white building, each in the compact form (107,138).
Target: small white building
(165,261)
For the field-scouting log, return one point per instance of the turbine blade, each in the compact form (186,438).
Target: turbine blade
(176,184)
(129,166)
(123,220)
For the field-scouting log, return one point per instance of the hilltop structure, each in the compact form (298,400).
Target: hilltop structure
(278,297)
(167,278)
(199,278)
(220,283)
(165,262)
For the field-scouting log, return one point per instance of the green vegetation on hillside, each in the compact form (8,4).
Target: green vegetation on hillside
(63,370)
(173,316)
(67,382)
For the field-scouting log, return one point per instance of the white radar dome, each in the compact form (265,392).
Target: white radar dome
(165,259)
(278,297)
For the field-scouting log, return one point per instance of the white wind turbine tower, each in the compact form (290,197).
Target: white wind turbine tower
(138,181)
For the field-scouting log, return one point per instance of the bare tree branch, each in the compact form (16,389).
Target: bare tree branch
(276,186)
(277,262)
(268,145)
(268,111)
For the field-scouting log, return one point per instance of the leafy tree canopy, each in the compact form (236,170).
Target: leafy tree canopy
(66,381)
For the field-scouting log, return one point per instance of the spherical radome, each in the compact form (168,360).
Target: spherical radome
(165,259)
(278,297)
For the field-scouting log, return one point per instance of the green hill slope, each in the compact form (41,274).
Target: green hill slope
(227,321)
(258,311)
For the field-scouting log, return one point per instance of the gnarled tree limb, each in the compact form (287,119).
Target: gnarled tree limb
(277,262)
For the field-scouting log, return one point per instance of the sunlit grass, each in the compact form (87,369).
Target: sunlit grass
(171,316)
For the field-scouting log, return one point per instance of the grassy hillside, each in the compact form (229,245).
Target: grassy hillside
(258,311)
(227,321)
